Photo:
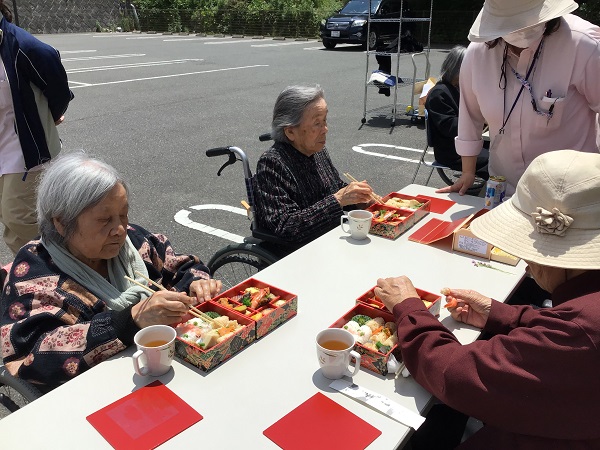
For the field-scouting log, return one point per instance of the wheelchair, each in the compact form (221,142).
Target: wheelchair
(235,263)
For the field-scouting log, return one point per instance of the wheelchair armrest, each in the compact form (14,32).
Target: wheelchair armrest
(264,235)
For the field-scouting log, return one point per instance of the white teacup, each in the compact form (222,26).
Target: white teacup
(156,344)
(359,222)
(334,350)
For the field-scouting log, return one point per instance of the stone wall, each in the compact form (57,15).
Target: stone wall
(69,16)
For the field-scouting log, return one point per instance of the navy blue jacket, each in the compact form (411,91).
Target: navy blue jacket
(28,61)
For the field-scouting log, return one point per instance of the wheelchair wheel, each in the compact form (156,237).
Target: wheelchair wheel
(14,393)
(237,262)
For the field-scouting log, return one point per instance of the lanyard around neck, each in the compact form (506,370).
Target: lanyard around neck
(535,58)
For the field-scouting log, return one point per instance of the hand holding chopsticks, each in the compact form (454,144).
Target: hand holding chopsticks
(213,285)
(376,198)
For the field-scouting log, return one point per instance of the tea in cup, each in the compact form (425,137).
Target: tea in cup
(359,223)
(156,348)
(334,350)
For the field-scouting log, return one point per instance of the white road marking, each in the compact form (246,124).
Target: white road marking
(133,65)
(63,52)
(182,218)
(228,42)
(172,76)
(76,82)
(360,149)
(280,44)
(158,36)
(90,58)
(184,39)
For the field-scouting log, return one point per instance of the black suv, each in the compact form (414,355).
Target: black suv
(349,25)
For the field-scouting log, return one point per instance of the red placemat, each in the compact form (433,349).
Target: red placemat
(320,423)
(438,205)
(144,419)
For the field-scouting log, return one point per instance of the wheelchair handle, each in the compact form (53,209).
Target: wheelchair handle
(218,151)
(265,137)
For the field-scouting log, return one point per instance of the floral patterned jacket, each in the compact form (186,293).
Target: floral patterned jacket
(53,328)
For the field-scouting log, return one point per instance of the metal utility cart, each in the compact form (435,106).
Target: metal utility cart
(403,102)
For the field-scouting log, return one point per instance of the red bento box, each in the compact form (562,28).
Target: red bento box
(370,359)
(207,359)
(282,307)
(393,227)
(433,302)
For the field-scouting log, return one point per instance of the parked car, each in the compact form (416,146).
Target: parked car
(349,25)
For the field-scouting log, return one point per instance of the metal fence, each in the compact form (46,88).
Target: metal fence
(448,27)
(59,16)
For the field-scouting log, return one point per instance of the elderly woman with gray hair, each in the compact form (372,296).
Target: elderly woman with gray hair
(67,304)
(299,194)
(442,115)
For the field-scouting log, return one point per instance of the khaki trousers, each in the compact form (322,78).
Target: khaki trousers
(17,208)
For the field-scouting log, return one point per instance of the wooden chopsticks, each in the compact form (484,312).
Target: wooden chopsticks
(374,197)
(193,310)
(139,284)
(152,282)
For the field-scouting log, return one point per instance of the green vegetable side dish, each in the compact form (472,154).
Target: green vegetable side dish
(361,319)
(246,300)
(212,314)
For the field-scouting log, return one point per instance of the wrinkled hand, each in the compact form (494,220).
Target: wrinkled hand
(59,121)
(354,193)
(461,185)
(161,308)
(392,291)
(204,290)
(473,308)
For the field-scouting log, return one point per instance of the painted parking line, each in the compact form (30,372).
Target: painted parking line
(133,65)
(361,149)
(280,44)
(182,217)
(78,84)
(92,58)
(173,75)
(64,52)
(158,36)
(228,42)
(184,39)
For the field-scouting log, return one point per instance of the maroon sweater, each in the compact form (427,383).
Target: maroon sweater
(535,384)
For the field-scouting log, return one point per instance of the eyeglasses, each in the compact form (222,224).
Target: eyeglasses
(527,85)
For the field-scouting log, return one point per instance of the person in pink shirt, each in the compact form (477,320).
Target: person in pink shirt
(531,73)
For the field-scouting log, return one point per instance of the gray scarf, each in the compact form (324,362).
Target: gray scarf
(119,293)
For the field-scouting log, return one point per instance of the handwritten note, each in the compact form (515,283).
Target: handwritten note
(472,244)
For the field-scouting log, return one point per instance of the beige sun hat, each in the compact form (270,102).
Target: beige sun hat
(498,18)
(554,217)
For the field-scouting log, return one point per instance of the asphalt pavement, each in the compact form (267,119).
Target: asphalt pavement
(152,104)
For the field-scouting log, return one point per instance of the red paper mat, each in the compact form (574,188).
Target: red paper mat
(320,423)
(144,419)
(438,205)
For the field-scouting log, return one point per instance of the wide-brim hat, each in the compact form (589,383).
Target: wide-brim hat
(553,219)
(498,18)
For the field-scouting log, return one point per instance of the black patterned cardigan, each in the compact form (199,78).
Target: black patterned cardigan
(53,328)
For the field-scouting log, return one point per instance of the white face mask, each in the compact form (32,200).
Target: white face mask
(525,37)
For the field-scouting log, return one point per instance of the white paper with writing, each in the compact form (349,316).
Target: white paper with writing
(472,244)
(379,402)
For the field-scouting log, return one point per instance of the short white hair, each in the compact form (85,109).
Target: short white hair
(72,183)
